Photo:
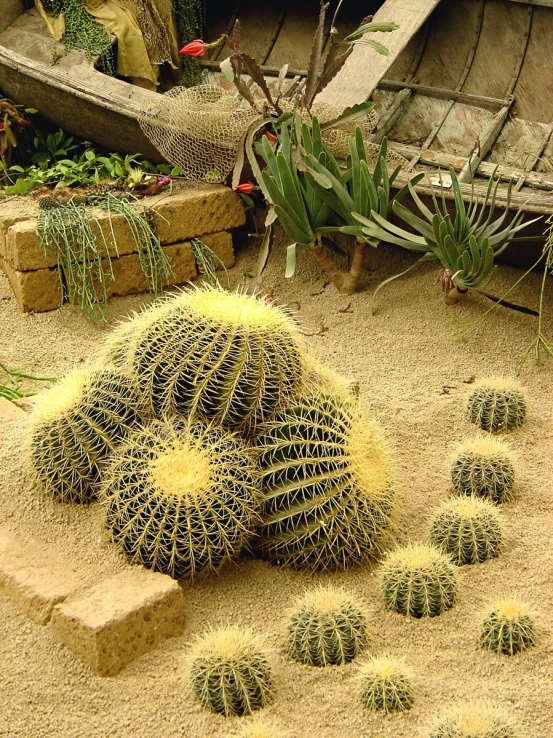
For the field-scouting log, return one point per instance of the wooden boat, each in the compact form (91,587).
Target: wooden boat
(467,84)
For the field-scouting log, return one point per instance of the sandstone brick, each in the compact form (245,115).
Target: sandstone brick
(14,211)
(221,245)
(37,291)
(32,578)
(118,620)
(9,411)
(196,211)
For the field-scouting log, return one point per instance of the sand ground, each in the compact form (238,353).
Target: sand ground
(403,356)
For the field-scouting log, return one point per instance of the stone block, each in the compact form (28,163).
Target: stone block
(33,579)
(37,291)
(13,211)
(221,245)
(118,620)
(9,411)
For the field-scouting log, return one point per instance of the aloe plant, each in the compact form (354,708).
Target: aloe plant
(466,244)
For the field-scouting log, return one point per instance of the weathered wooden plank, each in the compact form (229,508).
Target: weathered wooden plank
(366,67)
(484,144)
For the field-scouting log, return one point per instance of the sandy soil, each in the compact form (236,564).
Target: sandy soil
(403,355)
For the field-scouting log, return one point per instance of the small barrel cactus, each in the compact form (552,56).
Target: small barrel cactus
(326,626)
(327,496)
(497,404)
(473,720)
(263,728)
(418,580)
(508,628)
(76,427)
(484,467)
(227,358)
(230,672)
(467,529)
(181,498)
(385,685)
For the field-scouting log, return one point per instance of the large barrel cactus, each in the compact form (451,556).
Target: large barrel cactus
(228,358)
(181,498)
(76,427)
(327,488)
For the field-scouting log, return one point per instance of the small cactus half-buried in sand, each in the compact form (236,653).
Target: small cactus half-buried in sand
(230,672)
(326,626)
(327,484)
(484,467)
(497,404)
(418,580)
(467,529)
(76,426)
(385,685)
(508,627)
(181,498)
(262,727)
(474,720)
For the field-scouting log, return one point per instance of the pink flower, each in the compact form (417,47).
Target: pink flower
(194,48)
(246,189)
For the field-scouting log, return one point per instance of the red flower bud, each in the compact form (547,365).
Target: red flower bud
(270,136)
(246,189)
(194,48)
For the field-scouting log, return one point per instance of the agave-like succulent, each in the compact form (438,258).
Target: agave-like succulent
(466,245)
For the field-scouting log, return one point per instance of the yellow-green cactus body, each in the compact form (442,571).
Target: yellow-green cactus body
(497,404)
(474,720)
(230,672)
(508,628)
(227,358)
(385,685)
(76,427)
(181,498)
(327,494)
(484,467)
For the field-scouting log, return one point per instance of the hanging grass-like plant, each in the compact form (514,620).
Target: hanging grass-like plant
(208,263)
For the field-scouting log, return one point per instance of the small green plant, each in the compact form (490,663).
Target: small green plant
(468,530)
(418,580)
(473,720)
(508,628)
(181,499)
(497,404)
(230,671)
(326,626)
(12,383)
(76,427)
(385,685)
(466,245)
(484,467)
(328,497)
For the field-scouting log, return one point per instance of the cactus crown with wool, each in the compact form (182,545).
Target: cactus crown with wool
(326,626)
(484,467)
(181,498)
(467,529)
(76,427)
(418,580)
(230,671)
(497,404)
(228,358)
(385,685)
(474,720)
(508,628)
(326,485)
(263,728)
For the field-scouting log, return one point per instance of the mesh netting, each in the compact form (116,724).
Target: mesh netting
(154,18)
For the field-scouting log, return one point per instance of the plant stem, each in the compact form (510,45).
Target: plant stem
(345,282)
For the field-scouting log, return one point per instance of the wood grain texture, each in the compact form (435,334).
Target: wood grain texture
(365,68)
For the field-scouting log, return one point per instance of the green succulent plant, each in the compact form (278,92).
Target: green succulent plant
(497,404)
(484,467)
(508,628)
(473,720)
(385,685)
(326,626)
(181,498)
(327,494)
(465,244)
(468,530)
(418,580)
(230,671)
(76,426)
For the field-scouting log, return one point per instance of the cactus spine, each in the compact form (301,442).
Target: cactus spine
(181,498)
(484,467)
(508,628)
(385,685)
(473,720)
(497,404)
(418,580)
(326,485)
(230,672)
(468,530)
(227,358)
(76,427)
(327,626)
